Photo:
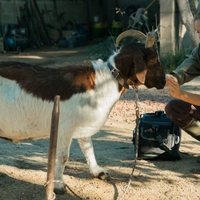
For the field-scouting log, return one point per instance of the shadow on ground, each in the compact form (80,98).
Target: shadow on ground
(114,151)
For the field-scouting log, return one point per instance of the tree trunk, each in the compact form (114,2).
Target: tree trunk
(193,7)
(188,20)
(198,7)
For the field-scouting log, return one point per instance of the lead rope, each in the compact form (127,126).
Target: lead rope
(137,113)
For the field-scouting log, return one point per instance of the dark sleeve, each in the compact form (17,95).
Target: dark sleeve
(189,68)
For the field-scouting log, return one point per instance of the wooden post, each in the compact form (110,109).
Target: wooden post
(50,195)
(167,27)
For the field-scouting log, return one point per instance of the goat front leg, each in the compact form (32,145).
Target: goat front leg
(62,155)
(88,151)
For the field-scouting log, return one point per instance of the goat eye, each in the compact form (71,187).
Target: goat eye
(152,61)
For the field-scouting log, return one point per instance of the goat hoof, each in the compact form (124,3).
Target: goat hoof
(104,176)
(60,190)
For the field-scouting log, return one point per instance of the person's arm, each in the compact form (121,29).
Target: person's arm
(176,92)
(189,68)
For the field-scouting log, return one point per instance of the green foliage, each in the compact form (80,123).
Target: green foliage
(171,61)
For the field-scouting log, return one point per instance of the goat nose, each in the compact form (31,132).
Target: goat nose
(161,84)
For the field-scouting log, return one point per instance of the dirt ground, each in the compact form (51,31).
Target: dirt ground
(23,166)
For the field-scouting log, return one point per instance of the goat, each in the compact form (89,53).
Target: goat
(88,93)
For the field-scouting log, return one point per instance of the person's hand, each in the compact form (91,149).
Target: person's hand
(170,78)
(173,86)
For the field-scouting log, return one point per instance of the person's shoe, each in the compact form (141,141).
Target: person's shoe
(193,129)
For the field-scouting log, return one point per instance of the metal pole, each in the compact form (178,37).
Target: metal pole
(50,195)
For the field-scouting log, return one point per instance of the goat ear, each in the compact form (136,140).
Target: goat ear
(150,39)
(141,76)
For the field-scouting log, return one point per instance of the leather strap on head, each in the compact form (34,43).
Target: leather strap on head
(116,74)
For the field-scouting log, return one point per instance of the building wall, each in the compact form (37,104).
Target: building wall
(9,11)
(74,10)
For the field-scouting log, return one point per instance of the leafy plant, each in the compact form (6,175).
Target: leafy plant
(101,50)
(171,61)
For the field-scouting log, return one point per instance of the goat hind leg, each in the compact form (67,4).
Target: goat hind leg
(88,150)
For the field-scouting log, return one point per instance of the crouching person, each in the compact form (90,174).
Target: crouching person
(184,110)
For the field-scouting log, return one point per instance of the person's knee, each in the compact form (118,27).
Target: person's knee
(177,107)
(179,112)
(171,107)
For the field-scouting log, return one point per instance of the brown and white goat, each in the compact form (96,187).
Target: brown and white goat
(88,93)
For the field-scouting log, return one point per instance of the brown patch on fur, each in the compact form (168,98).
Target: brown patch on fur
(84,79)
(46,83)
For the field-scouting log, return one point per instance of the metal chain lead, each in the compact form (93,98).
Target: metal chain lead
(137,114)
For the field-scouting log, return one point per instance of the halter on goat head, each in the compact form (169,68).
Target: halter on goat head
(143,57)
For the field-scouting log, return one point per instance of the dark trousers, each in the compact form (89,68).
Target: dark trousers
(185,115)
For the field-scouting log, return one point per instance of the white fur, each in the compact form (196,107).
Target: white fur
(23,116)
